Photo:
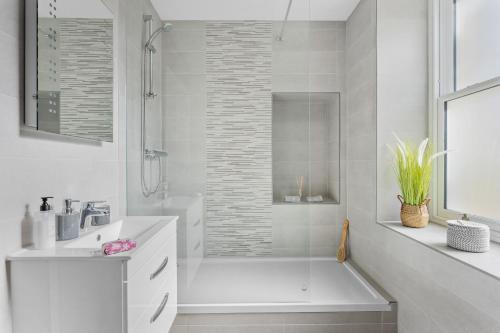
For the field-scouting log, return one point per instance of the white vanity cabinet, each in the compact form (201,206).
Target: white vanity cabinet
(76,290)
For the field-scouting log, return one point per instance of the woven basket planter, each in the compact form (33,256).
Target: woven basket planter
(468,236)
(414,216)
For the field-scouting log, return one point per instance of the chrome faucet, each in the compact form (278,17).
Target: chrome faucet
(96,215)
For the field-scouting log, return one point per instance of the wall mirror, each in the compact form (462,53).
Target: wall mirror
(69,68)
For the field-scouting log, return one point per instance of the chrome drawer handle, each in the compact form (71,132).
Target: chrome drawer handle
(159,270)
(160,308)
(197,246)
(197,223)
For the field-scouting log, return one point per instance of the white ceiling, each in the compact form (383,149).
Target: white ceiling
(315,10)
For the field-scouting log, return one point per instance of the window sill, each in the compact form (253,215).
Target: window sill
(434,237)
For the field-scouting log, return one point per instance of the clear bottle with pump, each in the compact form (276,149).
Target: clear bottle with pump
(45,228)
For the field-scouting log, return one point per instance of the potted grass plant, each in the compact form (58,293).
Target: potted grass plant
(413,167)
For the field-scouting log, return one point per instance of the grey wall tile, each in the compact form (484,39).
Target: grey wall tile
(361,20)
(290,83)
(184,62)
(323,40)
(187,25)
(187,84)
(324,62)
(326,82)
(348,328)
(235,319)
(185,40)
(287,62)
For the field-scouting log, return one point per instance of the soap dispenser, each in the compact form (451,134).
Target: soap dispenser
(45,226)
(68,222)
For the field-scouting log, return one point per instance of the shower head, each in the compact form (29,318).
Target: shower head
(164,28)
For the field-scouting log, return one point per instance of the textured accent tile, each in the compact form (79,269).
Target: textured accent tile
(86,69)
(238,124)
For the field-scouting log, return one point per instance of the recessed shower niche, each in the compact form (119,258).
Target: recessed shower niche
(306,147)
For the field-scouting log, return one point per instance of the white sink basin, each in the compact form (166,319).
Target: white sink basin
(96,236)
(141,229)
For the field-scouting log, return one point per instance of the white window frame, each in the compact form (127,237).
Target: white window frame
(442,90)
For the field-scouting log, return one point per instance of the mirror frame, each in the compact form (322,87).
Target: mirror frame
(31,64)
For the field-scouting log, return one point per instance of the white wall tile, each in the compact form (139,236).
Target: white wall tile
(9,18)
(11,60)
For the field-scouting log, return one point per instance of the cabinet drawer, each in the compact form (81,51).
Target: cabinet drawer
(147,250)
(166,319)
(160,313)
(160,270)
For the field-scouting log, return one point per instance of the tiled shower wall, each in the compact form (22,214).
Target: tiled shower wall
(209,138)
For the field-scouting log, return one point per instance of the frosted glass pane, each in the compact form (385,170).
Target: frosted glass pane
(477,41)
(473,168)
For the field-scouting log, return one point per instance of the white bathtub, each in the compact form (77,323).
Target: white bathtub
(274,285)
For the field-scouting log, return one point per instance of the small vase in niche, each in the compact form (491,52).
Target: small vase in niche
(300,184)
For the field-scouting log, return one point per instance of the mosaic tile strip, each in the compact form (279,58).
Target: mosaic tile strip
(239,125)
(86,69)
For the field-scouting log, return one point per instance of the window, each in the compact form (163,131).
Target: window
(466,110)
(477,45)
(472,168)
